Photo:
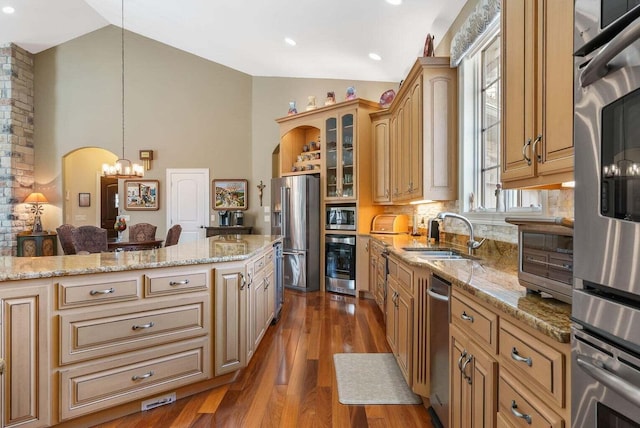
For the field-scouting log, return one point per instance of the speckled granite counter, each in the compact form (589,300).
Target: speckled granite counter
(210,250)
(490,281)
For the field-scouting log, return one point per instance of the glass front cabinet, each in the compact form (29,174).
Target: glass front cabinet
(341,146)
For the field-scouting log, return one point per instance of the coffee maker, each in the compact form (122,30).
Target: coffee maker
(223,218)
(238,218)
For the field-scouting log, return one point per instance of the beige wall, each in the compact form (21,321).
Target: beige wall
(192,112)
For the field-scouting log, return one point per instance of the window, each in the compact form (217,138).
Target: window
(481,115)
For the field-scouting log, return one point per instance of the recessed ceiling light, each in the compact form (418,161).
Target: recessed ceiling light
(8,10)
(290,41)
(395,2)
(374,56)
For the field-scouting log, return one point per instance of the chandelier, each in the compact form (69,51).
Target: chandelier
(123,168)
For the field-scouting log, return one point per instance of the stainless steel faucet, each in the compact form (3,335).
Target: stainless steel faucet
(472,244)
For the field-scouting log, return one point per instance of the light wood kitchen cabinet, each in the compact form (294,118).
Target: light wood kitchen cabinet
(151,332)
(537,75)
(381,160)
(363,267)
(231,291)
(473,388)
(377,273)
(400,316)
(423,133)
(24,366)
(262,297)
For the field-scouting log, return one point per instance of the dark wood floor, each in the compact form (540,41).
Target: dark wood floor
(290,381)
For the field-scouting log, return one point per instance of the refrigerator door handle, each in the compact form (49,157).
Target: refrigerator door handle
(284,207)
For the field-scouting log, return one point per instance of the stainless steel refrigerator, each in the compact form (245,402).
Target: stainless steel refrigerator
(295,215)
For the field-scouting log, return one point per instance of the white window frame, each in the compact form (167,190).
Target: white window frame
(468,86)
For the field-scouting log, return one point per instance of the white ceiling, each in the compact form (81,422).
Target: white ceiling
(334,37)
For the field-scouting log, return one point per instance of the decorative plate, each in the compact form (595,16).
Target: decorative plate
(387,98)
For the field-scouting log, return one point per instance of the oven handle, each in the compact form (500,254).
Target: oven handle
(598,67)
(597,370)
(437,296)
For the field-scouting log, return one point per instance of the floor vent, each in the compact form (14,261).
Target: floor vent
(163,400)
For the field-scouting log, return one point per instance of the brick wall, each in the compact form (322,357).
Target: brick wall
(16,143)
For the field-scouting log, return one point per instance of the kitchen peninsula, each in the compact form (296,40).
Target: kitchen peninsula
(86,338)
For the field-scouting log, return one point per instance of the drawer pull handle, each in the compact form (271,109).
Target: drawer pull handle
(2,366)
(466,317)
(464,369)
(243,282)
(143,326)
(107,291)
(517,414)
(514,354)
(464,354)
(144,376)
(174,283)
(266,284)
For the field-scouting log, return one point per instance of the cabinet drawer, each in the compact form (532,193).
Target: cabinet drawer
(93,290)
(90,388)
(268,258)
(393,267)
(405,277)
(174,282)
(475,320)
(533,360)
(515,404)
(258,264)
(97,334)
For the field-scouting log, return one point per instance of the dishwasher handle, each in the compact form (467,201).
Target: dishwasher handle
(437,296)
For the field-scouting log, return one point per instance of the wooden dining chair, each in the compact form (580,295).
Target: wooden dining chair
(173,235)
(142,232)
(66,239)
(89,239)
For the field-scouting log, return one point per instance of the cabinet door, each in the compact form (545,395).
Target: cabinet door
(415,142)
(392,314)
(257,298)
(381,161)
(519,73)
(231,319)
(374,250)
(459,389)
(404,327)
(332,160)
(25,349)
(362,263)
(555,114)
(349,154)
(484,388)
(270,297)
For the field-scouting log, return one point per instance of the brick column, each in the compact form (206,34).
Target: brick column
(16,143)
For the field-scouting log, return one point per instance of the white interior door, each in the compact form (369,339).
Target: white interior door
(188,201)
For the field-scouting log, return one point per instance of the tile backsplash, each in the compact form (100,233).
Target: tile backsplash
(560,203)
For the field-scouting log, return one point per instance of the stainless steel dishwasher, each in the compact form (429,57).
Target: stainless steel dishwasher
(439,292)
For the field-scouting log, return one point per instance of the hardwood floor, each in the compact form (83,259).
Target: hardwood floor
(290,381)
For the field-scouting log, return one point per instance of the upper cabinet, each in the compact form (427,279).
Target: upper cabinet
(422,137)
(537,105)
(341,152)
(381,158)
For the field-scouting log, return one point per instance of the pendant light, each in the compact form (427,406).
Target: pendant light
(123,168)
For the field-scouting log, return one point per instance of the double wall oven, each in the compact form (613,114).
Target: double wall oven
(606,295)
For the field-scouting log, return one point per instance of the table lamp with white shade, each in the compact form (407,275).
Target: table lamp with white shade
(36,199)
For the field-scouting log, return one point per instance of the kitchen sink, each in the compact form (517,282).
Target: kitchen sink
(433,254)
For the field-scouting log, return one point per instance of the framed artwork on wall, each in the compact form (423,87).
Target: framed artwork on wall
(141,195)
(230,194)
(84,199)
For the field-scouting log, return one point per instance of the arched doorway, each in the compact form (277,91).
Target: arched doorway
(81,174)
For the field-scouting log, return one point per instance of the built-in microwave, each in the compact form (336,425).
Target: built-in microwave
(545,255)
(341,217)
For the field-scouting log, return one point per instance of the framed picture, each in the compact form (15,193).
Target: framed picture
(230,194)
(141,195)
(84,199)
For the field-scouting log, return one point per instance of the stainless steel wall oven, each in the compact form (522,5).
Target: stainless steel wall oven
(606,295)
(340,260)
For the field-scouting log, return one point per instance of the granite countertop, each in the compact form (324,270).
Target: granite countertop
(491,282)
(224,248)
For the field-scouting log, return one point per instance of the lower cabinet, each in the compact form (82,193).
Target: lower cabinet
(231,291)
(25,394)
(473,386)
(400,317)
(262,286)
